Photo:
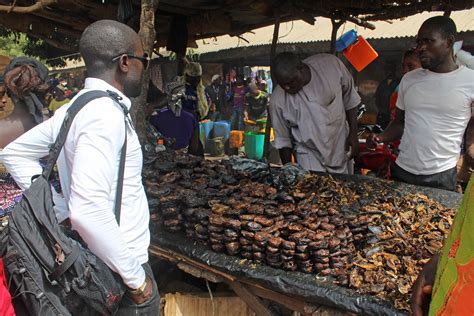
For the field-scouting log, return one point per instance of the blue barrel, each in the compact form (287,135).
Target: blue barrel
(346,40)
(221,129)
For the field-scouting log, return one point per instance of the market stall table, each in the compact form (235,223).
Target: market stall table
(301,292)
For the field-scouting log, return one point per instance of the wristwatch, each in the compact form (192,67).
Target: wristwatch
(140,290)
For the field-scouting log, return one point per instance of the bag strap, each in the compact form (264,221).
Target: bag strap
(123,154)
(56,148)
(76,106)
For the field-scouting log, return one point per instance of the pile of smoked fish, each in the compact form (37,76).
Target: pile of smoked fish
(365,236)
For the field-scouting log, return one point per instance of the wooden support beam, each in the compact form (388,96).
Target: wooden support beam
(77,23)
(335,27)
(147,35)
(176,257)
(34,25)
(39,5)
(94,10)
(289,302)
(199,273)
(268,126)
(251,299)
(360,22)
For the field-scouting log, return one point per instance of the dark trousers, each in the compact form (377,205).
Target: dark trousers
(151,307)
(445,180)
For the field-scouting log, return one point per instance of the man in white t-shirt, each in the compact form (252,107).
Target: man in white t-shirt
(433,110)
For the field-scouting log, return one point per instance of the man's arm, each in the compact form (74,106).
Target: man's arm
(21,157)
(423,288)
(99,136)
(282,131)
(352,140)
(470,138)
(393,132)
(351,100)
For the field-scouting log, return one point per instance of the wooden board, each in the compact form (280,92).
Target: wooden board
(181,304)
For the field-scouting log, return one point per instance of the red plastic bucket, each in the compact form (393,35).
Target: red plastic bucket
(360,54)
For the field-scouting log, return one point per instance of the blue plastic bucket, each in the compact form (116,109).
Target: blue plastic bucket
(346,40)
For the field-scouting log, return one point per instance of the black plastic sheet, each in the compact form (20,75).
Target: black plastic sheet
(308,287)
(287,175)
(248,168)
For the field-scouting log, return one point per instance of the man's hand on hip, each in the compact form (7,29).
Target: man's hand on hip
(146,295)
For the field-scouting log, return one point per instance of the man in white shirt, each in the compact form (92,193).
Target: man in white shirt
(314,112)
(433,110)
(89,162)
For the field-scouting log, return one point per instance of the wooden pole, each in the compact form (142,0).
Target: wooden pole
(268,127)
(335,27)
(147,35)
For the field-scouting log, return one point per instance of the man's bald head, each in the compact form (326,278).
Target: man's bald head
(103,40)
(285,65)
(290,72)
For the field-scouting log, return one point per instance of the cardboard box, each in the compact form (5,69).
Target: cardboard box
(200,304)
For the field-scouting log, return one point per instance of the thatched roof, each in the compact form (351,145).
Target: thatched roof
(60,22)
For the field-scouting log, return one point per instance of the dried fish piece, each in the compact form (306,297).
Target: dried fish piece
(289,245)
(275,242)
(214,229)
(272,212)
(288,252)
(289,265)
(244,241)
(272,250)
(264,221)
(254,227)
(248,234)
(232,248)
(247,255)
(216,220)
(233,223)
(200,229)
(258,255)
(217,247)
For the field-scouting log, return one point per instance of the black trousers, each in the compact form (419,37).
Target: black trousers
(445,180)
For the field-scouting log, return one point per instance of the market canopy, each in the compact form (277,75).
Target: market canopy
(61,22)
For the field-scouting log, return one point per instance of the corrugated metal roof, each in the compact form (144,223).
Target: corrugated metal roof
(299,31)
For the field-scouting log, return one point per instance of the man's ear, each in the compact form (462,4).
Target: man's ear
(124,63)
(450,40)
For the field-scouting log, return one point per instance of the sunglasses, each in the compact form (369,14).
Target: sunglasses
(144,59)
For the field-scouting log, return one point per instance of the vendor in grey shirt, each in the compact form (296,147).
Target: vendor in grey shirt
(314,112)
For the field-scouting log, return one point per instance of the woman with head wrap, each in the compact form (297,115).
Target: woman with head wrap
(25,79)
(25,84)
(172,121)
(21,88)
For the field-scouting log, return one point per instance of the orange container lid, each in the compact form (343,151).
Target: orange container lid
(360,54)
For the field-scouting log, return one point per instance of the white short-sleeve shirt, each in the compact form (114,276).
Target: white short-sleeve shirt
(437,110)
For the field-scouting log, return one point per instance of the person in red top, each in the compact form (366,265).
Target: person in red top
(410,62)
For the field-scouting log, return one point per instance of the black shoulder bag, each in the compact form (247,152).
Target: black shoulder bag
(52,272)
